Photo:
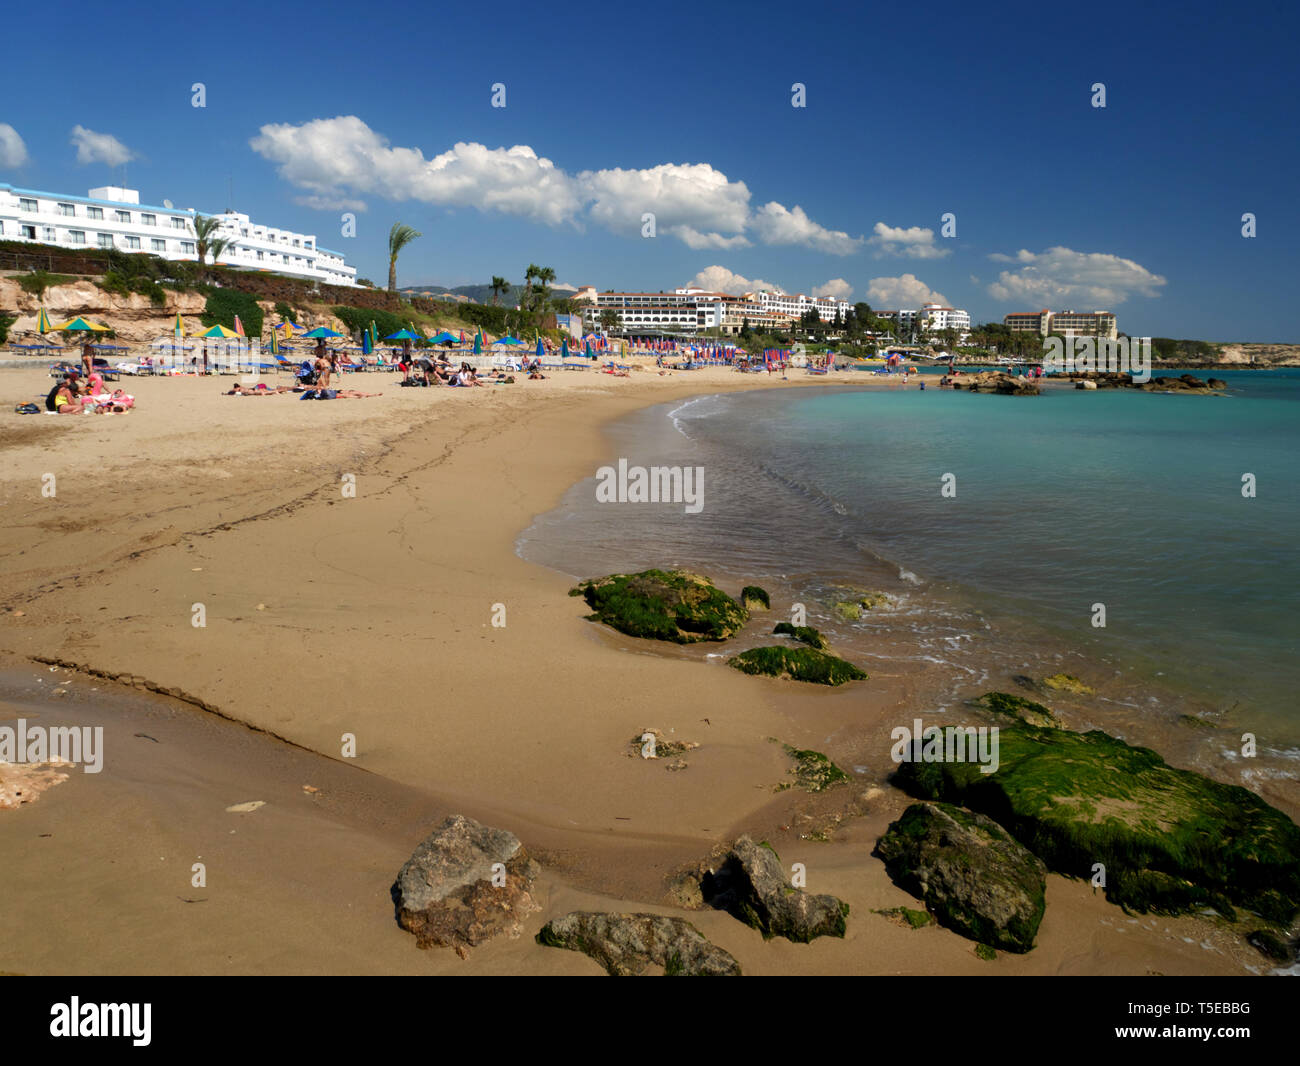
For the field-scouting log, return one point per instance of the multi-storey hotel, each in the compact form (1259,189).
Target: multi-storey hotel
(1044,322)
(113,217)
(930,318)
(689,311)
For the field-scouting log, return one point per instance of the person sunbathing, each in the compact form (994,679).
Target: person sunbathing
(468,378)
(257,390)
(337,394)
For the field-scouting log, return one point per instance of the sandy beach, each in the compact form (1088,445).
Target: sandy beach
(328,614)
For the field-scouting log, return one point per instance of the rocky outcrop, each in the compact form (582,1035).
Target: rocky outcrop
(1018,709)
(973,876)
(626,944)
(133,317)
(851,609)
(755,598)
(465,883)
(797,664)
(1170,840)
(671,605)
(752,886)
(996,381)
(1124,380)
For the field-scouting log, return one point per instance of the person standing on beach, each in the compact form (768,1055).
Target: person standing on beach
(87,358)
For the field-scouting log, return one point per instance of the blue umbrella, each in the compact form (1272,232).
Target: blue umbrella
(508,340)
(403,335)
(564,348)
(540,349)
(366,346)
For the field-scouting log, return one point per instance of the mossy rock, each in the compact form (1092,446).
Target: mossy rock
(1172,841)
(851,609)
(663,748)
(813,771)
(913,919)
(803,634)
(985,952)
(798,664)
(1068,683)
(1018,709)
(671,605)
(973,876)
(1270,945)
(755,598)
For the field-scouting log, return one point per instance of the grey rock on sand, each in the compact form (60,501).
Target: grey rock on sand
(754,887)
(975,879)
(626,944)
(445,893)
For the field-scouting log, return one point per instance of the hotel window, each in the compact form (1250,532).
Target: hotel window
(67,210)
(27,205)
(77,236)
(296,244)
(261,255)
(158,245)
(105,240)
(49,234)
(94,212)
(122,216)
(148,220)
(187,247)
(27,231)
(178,223)
(133,243)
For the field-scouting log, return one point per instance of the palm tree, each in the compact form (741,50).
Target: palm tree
(206,240)
(544,275)
(398,238)
(499,285)
(529,274)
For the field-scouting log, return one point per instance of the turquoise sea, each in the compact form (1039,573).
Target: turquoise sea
(1062,501)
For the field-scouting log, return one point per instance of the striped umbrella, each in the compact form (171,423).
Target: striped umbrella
(43,323)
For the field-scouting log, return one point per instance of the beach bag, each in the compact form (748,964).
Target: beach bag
(27,409)
(49,400)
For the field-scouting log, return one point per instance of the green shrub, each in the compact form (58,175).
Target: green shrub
(39,280)
(5,322)
(224,304)
(118,283)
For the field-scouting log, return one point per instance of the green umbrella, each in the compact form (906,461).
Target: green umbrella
(478,343)
(320,332)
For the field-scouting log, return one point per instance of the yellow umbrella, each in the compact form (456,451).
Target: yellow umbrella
(219,331)
(80,325)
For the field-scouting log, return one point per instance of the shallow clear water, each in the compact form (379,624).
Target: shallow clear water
(1070,499)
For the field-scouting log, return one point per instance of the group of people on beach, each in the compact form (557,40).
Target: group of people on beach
(70,397)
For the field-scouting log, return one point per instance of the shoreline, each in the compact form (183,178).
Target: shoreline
(391,593)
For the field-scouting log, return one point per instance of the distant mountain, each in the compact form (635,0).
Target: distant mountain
(479,294)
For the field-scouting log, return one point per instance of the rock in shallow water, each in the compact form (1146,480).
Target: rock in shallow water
(626,944)
(974,877)
(753,886)
(465,883)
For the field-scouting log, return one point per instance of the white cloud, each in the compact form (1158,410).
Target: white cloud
(13,153)
(720,279)
(691,201)
(836,287)
(907,292)
(914,242)
(338,160)
(335,156)
(778,225)
(95,147)
(1061,278)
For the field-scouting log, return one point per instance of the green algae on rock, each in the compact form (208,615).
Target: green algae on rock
(755,598)
(1068,683)
(1018,709)
(672,605)
(908,917)
(798,664)
(803,634)
(1171,840)
(974,877)
(626,944)
(813,771)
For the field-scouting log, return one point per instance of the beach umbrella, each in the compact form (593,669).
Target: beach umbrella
(590,354)
(219,331)
(239,327)
(400,335)
(478,343)
(443,338)
(540,350)
(508,340)
(43,323)
(275,343)
(564,348)
(178,328)
(80,325)
(366,346)
(319,333)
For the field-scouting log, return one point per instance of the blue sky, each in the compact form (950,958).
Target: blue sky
(685,111)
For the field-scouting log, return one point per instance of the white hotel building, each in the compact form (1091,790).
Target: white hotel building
(930,318)
(112,217)
(689,311)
